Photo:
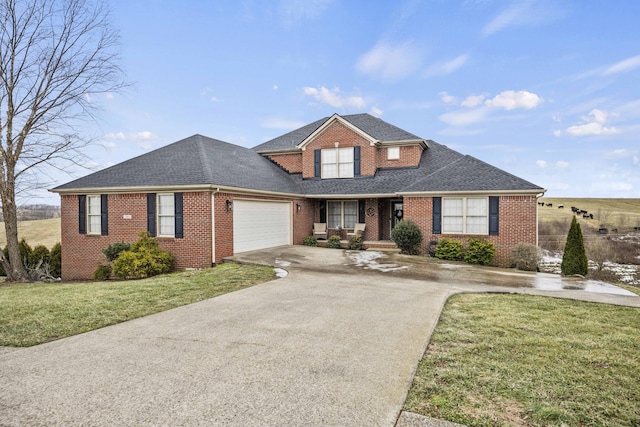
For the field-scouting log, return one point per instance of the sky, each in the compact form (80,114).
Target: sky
(548,90)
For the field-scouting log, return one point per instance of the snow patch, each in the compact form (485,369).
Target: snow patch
(280,273)
(368,260)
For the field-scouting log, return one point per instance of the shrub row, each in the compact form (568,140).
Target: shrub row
(38,257)
(478,251)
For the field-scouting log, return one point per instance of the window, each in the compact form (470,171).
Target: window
(94,216)
(342,214)
(465,215)
(166,215)
(337,162)
(393,153)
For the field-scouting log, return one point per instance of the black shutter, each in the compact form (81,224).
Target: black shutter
(104,215)
(177,203)
(356,161)
(316,163)
(323,210)
(362,204)
(436,227)
(494,215)
(151,214)
(82,214)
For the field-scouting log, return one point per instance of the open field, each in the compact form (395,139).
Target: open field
(40,232)
(515,360)
(623,214)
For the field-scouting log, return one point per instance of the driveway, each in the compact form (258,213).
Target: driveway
(334,343)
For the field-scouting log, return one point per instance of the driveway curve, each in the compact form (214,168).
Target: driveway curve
(334,343)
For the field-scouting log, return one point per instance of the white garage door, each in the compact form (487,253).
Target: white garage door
(260,225)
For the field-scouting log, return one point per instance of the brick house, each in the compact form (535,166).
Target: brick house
(206,199)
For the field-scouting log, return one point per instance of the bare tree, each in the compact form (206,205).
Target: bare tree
(54,56)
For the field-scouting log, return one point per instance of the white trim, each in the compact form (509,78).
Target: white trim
(308,140)
(470,192)
(395,150)
(89,214)
(464,215)
(158,234)
(213,228)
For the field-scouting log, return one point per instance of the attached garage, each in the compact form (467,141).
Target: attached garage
(259,224)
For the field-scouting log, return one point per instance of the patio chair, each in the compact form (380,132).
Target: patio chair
(320,230)
(357,229)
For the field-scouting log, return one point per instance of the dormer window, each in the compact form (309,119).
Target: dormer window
(393,153)
(338,163)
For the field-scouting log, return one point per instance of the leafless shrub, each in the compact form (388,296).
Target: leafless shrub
(600,250)
(552,235)
(525,256)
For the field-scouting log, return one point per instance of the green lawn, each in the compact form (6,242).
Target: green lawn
(505,360)
(39,312)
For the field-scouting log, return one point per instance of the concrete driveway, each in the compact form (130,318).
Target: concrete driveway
(334,343)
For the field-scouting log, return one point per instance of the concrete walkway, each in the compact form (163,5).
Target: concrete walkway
(334,343)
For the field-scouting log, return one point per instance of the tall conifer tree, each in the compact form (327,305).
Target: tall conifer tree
(574,260)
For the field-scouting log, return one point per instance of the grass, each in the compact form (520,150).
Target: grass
(623,214)
(514,360)
(40,232)
(35,313)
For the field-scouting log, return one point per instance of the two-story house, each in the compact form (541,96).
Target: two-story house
(205,199)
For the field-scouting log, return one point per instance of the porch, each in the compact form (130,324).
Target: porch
(378,245)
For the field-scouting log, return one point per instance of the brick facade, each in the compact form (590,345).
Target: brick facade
(409,157)
(292,162)
(518,224)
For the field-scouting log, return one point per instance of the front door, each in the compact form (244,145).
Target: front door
(397,212)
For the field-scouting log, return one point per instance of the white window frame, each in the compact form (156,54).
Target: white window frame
(160,214)
(327,160)
(393,153)
(466,215)
(342,213)
(91,214)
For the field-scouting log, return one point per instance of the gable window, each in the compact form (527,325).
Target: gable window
(337,162)
(393,153)
(342,214)
(465,215)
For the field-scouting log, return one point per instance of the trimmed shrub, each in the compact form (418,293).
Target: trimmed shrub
(479,251)
(112,251)
(103,272)
(449,249)
(525,256)
(55,260)
(25,252)
(310,241)
(334,242)
(355,242)
(407,235)
(145,259)
(574,259)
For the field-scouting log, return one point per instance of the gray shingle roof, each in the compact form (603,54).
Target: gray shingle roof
(377,128)
(196,160)
(199,160)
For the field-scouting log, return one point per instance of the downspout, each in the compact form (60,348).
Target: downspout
(213,226)
(537,219)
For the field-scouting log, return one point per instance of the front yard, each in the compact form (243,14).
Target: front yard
(513,360)
(35,313)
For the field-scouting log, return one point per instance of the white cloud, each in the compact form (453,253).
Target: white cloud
(376,112)
(143,139)
(523,13)
(622,66)
(594,124)
(294,11)
(335,98)
(636,160)
(275,87)
(448,99)
(511,100)
(561,164)
(108,95)
(619,153)
(463,117)
(214,99)
(473,101)
(447,67)
(278,123)
(390,62)
(541,163)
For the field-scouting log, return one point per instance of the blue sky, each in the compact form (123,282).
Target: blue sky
(545,89)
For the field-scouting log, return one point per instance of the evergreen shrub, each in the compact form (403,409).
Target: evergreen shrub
(144,259)
(449,249)
(407,235)
(574,259)
(334,242)
(480,252)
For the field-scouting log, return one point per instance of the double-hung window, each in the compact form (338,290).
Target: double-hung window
(343,214)
(166,215)
(337,162)
(94,216)
(465,215)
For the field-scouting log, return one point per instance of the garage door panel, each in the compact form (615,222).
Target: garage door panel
(260,225)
